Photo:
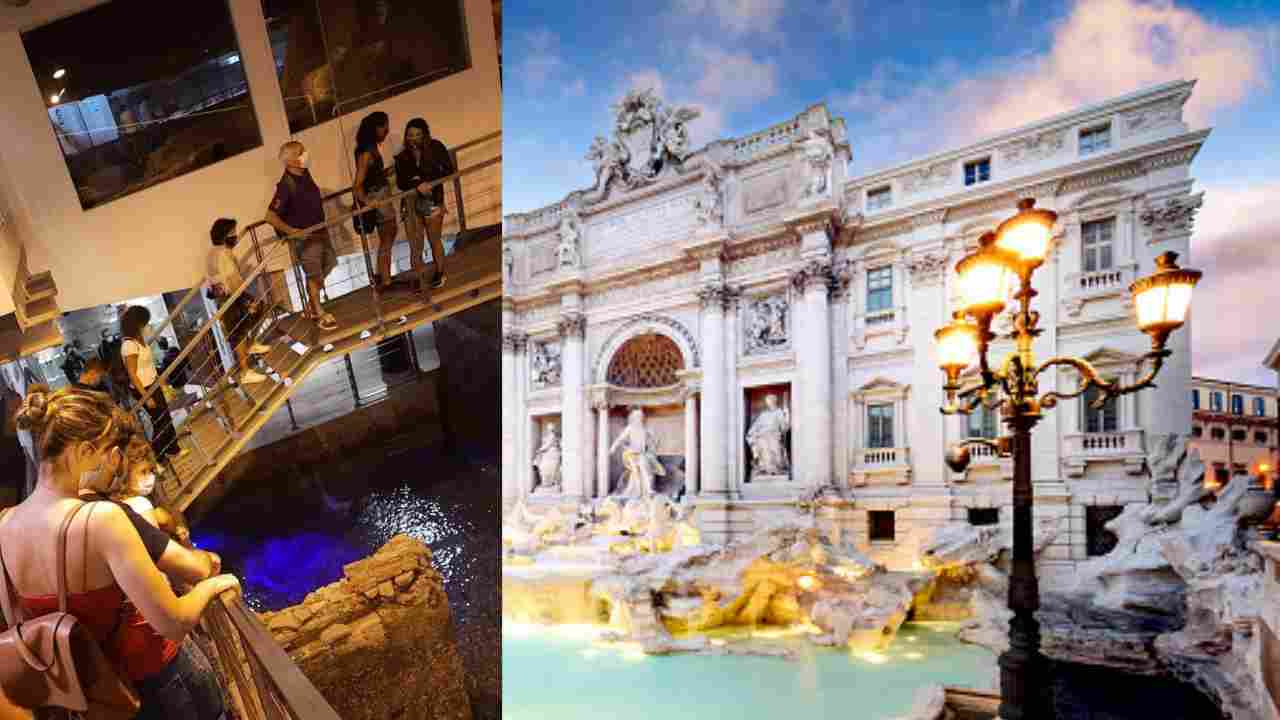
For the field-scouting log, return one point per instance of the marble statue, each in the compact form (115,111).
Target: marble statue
(545,362)
(508,264)
(639,457)
(817,153)
(767,438)
(547,460)
(567,251)
(710,205)
(647,137)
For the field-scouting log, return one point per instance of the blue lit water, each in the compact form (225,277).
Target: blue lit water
(562,675)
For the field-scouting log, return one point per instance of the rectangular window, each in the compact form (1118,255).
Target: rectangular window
(978,171)
(1098,539)
(1260,407)
(1103,419)
(1237,404)
(880,426)
(1195,399)
(336,57)
(1095,139)
(881,525)
(130,115)
(1215,401)
(1099,247)
(879,198)
(982,423)
(984,516)
(1261,437)
(1221,474)
(1238,435)
(1197,431)
(1218,433)
(879,289)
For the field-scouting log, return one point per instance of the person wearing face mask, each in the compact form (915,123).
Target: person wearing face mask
(126,479)
(240,321)
(298,206)
(423,160)
(114,586)
(372,190)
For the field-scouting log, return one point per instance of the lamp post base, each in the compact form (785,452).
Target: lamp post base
(1024,687)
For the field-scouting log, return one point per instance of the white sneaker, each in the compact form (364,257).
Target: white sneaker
(251,377)
(259,349)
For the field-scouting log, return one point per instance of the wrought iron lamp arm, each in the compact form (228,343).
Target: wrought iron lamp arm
(1090,377)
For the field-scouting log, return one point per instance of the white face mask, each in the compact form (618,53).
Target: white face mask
(147,484)
(303,159)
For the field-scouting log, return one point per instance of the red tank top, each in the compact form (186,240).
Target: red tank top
(136,648)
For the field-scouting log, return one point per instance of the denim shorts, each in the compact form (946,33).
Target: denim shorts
(188,688)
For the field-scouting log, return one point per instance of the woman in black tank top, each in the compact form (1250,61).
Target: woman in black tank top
(371,188)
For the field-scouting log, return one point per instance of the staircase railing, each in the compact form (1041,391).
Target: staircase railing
(290,334)
(261,679)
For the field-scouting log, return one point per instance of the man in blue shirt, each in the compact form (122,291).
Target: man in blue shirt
(298,206)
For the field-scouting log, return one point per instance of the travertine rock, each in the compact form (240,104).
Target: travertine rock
(378,643)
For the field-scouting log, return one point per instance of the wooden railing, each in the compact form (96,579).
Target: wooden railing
(261,679)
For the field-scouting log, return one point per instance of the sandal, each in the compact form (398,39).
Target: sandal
(328,322)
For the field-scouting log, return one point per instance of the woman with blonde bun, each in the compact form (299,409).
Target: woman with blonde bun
(114,586)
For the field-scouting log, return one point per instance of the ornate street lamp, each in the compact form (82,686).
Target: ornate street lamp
(1012,253)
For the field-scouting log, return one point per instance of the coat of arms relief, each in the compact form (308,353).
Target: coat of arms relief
(647,138)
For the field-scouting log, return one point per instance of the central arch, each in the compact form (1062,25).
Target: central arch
(664,327)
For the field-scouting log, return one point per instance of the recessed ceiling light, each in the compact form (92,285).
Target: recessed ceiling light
(59,73)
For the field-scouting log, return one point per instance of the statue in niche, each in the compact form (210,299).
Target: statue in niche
(768,325)
(767,439)
(817,153)
(567,251)
(639,457)
(545,361)
(547,461)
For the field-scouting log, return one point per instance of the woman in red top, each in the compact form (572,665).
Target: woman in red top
(114,587)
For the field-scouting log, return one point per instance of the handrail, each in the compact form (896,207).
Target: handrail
(277,687)
(331,196)
(253,274)
(390,172)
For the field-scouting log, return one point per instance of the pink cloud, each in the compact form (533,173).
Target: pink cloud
(1234,244)
(1104,48)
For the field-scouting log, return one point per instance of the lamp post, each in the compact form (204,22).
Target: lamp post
(1005,261)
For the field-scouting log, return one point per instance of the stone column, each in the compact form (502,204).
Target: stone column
(841,422)
(714,420)
(511,410)
(573,404)
(812,284)
(691,443)
(524,468)
(602,446)
(733,397)
(925,430)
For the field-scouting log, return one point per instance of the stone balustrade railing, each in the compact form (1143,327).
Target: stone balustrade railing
(755,144)
(1126,445)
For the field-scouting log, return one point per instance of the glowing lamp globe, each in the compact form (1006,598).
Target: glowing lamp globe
(984,279)
(1027,234)
(957,346)
(1163,297)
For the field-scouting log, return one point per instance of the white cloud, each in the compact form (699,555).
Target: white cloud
(1234,245)
(732,77)
(1103,48)
(737,16)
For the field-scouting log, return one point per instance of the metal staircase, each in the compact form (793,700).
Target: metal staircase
(228,414)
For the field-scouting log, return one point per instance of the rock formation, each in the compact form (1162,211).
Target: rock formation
(379,643)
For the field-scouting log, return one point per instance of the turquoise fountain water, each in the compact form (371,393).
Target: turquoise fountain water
(561,673)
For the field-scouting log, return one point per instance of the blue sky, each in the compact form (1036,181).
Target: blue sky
(920,77)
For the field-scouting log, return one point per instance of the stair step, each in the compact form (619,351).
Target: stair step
(39,287)
(38,311)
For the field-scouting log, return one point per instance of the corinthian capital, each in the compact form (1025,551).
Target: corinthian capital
(572,326)
(716,296)
(814,274)
(514,342)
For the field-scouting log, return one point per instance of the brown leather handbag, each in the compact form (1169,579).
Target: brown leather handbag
(53,661)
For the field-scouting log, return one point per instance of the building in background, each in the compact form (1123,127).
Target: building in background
(1236,428)
(773,317)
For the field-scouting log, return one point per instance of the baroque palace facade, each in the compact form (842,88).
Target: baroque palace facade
(773,318)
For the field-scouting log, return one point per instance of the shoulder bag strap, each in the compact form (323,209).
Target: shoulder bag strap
(62,555)
(12,612)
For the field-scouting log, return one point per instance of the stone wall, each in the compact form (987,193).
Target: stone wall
(379,643)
